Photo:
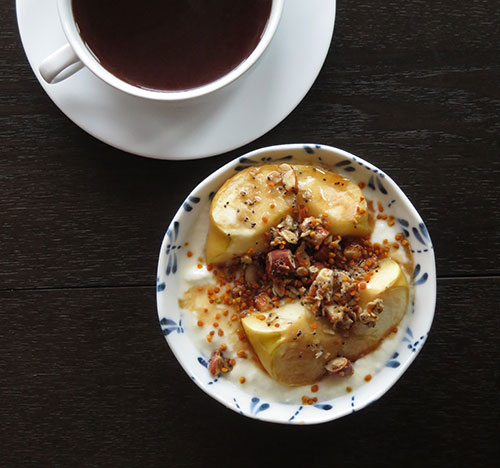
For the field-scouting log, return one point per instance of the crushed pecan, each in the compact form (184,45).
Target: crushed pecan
(313,231)
(279,262)
(370,314)
(340,367)
(322,289)
(218,363)
(285,232)
(263,302)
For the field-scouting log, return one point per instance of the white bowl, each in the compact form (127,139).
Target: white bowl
(379,187)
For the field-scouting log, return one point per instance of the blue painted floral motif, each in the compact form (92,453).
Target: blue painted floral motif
(246,162)
(421,234)
(186,205)
(237,405)
(323,406)
(253,406)
(308,149)
(160,286)
(203,361)
(418,281)
(294,415)
(173,234)
(375,181)
(345,165)
(409,338)
(404,225)
(393,361)
(352,405)
(168,326)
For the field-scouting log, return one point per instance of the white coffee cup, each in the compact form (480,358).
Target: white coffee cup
(74,55)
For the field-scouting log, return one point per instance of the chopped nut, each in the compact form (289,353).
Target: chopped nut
(279,262)
(370,314)
(340,367)
(289,236)
(263,302)
(290,182)
(218,363)
(302,271)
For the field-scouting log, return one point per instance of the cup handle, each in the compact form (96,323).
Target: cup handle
(60,61)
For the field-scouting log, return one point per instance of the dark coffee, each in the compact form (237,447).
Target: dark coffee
(171,44)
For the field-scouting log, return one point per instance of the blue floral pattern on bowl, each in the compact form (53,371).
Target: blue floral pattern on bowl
(378,186)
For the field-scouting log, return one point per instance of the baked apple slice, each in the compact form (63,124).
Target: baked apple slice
(389,284)
(340,200)
(245,207)
(291,344)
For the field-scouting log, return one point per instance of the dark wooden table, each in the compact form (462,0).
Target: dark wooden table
(86,377)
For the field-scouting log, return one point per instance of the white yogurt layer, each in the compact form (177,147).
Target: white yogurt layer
(257,381)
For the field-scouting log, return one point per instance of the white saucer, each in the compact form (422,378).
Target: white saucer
(235,116)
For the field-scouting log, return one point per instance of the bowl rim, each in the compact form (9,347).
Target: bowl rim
(430,301)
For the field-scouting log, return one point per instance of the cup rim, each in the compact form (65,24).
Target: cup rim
(90,61)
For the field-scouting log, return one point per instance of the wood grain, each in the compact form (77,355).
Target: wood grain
(86,378)
(394,90)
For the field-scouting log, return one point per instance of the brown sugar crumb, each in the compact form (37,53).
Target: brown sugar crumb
(189,254)
(209,338)
(200,266)
(222,347)
(215,324)
(380,207)
(200,323)
(186,244)
(348,389)
(314,388)
(220,332)
(368,378)
(242,380)
(361,185)
(225,312)
(277,325)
